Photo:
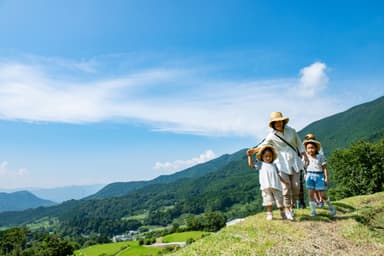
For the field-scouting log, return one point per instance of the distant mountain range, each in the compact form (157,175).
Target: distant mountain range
(21,200)
(61,194)
(226,183)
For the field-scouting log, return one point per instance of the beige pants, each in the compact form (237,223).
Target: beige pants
(291,190)
(272,196)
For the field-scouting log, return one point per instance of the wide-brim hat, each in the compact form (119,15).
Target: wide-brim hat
(277,116)
(317,143)
(263,148)
(310,136)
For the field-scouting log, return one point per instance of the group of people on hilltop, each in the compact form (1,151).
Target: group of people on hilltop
(280,159)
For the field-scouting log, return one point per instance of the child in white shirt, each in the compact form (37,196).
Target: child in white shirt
(270,181)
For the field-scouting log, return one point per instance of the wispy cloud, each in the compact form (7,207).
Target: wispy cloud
(183,100)
(177,165)
(6,173)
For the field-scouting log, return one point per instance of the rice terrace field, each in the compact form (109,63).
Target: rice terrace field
(132,248)
(121,249)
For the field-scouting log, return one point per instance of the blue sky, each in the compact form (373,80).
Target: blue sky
(104,91)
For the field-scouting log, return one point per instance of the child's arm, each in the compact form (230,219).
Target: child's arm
(250,153)
(280,176)
(250,161)
(282,179)
(325,174)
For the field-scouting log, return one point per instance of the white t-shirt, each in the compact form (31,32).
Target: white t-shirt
(268,175)
(316,163)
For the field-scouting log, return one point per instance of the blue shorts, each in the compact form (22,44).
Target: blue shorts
(315,181)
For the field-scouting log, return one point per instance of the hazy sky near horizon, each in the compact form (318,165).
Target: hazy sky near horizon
(98,91)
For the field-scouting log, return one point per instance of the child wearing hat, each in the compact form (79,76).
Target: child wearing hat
(316,175)
(269,179)
(317,195)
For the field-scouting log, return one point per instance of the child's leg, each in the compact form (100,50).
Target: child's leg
(279,201)
(315,197)
(268,201)
(312,202)
(319,198)
(332,210)
(269,212)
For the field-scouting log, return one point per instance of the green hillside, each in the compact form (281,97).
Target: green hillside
(362,122)
(224,184)
(357,229)
(122,188)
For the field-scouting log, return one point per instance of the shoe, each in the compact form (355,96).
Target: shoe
(292,213)
(313,213)
(269,216)
(289,216)
(283,216)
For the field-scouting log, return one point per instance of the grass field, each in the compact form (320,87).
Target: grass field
(138,217)
(45,223)
(130,248)
(357,229)
(184,236)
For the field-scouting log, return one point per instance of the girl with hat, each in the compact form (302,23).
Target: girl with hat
(317,195)
(316,175)
(269,179)
(289,150)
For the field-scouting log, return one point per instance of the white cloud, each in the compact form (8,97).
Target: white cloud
(6,173)
(175,100)
(313,79)
(177,165)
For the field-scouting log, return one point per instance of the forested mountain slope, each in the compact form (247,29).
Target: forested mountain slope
(225,184)
(362,122)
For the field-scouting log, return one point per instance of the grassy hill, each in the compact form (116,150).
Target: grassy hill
(362,122)
(357,229)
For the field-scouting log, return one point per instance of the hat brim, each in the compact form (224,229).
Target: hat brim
(317,143)
(263,148)
(284,119)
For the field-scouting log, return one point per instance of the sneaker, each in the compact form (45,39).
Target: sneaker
(289,215)
(283,216)
(269,216)
(313,213)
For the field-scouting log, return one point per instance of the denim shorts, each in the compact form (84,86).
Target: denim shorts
(315,181)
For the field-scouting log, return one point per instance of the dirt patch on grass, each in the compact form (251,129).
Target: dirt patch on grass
(324,238)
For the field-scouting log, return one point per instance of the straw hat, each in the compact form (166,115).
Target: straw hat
(263,148)
(277,116)
(310,136)
(317,143)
